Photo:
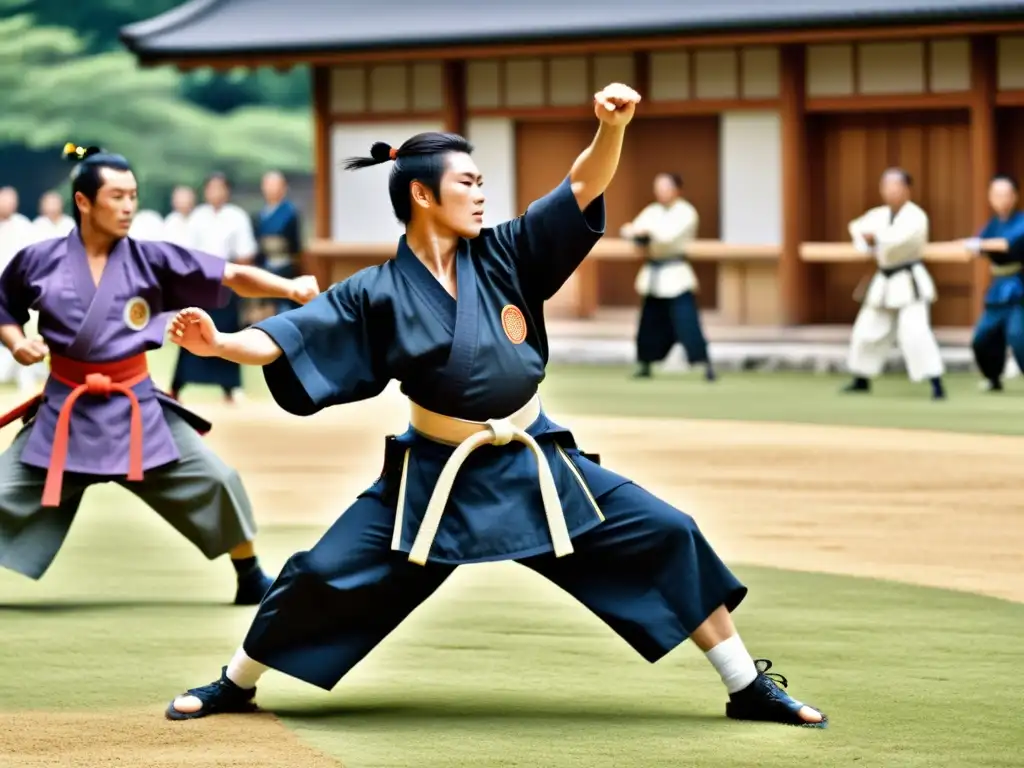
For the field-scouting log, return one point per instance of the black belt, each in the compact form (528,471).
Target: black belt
(890,271)
(908,267)
(662,262)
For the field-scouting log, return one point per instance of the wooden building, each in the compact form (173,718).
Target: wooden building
(780,121)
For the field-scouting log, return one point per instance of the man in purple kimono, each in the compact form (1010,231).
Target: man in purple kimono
(102,299)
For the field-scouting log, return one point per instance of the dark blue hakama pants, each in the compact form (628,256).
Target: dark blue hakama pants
(646,571)
(192,369)
(663,322)
(1000,326)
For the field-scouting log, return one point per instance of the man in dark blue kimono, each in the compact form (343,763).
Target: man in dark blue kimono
(482,474)
(279,234)
(1002,322)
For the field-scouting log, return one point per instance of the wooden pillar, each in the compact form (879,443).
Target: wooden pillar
(322,150)
(642,74)
(321,84)
(794,301)
(455,97)
(983,151)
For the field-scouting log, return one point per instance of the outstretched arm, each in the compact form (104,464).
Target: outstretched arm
(255,283)
(1011,242)
(863,240)
(194,330)
(595,168)
(192,278)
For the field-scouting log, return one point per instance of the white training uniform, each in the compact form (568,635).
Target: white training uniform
(16,233)
(897,302)
(176,229)
(147,225)
(671,229)
(226,233)
(30,378)
(47,229)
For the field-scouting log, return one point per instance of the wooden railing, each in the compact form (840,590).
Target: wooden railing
(952,252)
(747,291)
(747,275)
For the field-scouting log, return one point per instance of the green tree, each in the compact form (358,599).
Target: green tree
(98,23)
(52,94)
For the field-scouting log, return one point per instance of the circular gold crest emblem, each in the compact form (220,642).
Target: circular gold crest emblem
(513,323)
(136,313)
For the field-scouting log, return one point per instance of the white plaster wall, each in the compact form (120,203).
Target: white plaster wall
(360,206)
(751,178)
(494,149)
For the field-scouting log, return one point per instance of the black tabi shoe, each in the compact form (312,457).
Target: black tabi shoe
(764,701)
(218,698)
(253,587)
(643,371)
(859,384)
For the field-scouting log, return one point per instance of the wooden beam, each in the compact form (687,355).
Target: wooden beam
(455,110)
(889,102)
(1013,98)
(606,249)
(829,253)
(793,272)
(321,84)
(590,46)
(386,117)
(649,108)
(983,150)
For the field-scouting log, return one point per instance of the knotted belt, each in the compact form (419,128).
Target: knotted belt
(1005,270)
(467,436)
(98,380)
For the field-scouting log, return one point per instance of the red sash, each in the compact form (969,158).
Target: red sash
(99,380)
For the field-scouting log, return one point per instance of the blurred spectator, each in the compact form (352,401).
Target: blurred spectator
(52,222)
(16,232)
(278,232)
(222,229)
(147,225)
(183,202)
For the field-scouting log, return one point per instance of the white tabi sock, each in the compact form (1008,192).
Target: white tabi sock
(734,664)
(243,671)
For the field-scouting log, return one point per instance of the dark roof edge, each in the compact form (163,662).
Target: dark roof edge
(930,18)
(133,35)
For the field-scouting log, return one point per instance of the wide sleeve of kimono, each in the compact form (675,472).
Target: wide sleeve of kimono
(1014,234)
(679,224)
(294,234)
(859,227)
(552,238)
(905,236)
(188,278)
(15,293)
(329,355)
(643,220)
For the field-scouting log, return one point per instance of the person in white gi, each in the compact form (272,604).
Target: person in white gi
(147,225)
(16,232)
(176,227)
(52,222)
(222,229)
(666,281)
(898,299)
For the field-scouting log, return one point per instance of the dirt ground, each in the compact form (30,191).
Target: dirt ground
(929,508)
(934,509)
